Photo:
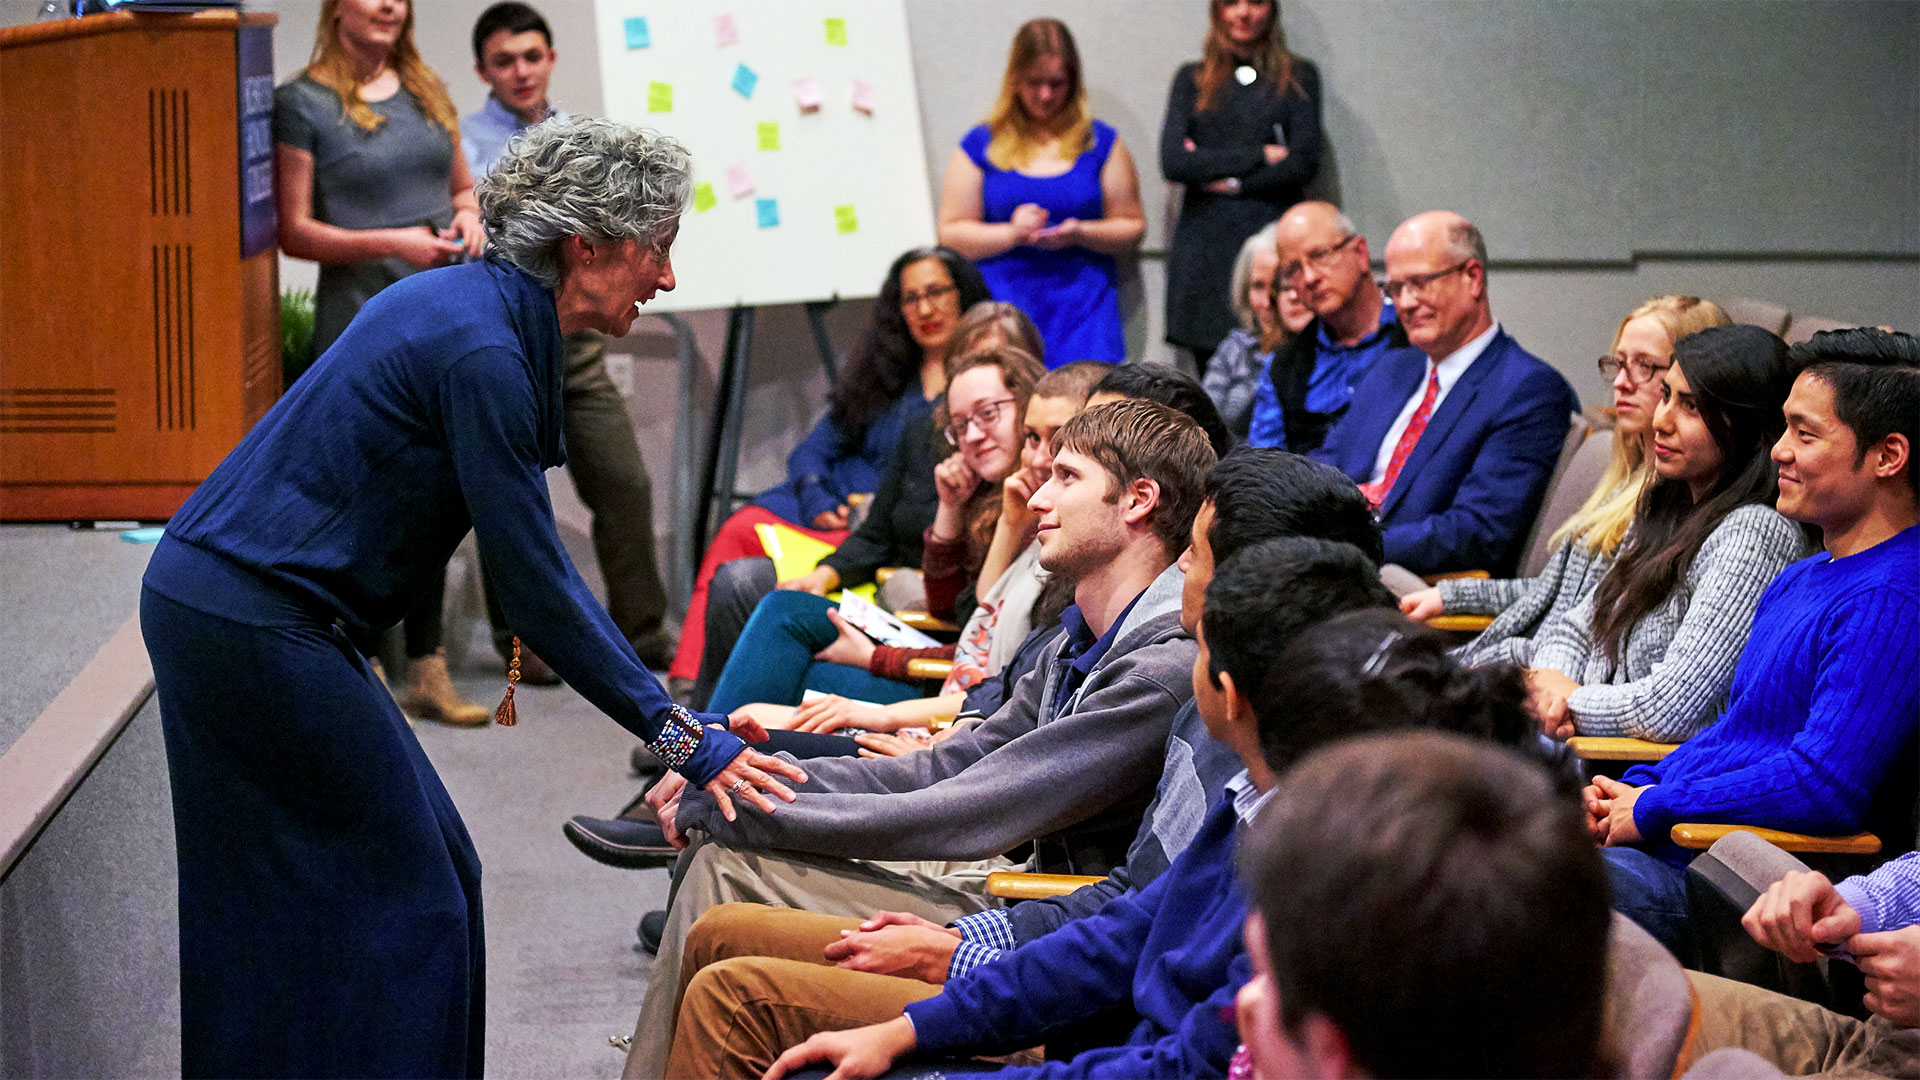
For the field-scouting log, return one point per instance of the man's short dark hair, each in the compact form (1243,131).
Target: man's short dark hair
(1374,670)
(1262,597)
(1137,439)
(1875,378)
(1260,493)
(1157,382)
(512,16)
(1075,380)
(1439,902)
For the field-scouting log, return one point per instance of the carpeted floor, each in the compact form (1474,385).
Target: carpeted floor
(563,974)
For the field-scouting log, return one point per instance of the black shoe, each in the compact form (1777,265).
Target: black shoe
(656,649)
(653,927)
(630,845)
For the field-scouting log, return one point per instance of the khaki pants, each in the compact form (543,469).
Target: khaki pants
(754,983)
(709,874)
(1798,1037)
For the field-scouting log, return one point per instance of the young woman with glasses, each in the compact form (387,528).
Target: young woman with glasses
(1584,547)
(796,641)
(887,387)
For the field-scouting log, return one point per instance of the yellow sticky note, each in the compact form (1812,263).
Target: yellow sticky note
(659,97)
(836,31)
(845,219)
(769,135)
(703,198)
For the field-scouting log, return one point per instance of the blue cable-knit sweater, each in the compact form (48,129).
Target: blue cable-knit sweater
(1171,952)
(1824,708)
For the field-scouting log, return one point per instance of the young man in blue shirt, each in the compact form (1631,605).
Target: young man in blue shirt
(1826,698)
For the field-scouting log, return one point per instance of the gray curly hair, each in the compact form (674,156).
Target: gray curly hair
(596,179)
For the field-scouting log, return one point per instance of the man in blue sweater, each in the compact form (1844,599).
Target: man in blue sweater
(1826,698)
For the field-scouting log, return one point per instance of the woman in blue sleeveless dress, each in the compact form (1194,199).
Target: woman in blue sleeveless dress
(1042,197)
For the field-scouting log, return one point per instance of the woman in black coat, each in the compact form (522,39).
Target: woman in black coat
(1243,134)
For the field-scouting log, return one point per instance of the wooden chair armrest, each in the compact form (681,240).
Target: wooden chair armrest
(929,668)
(881,575)
(1435,579)
(1702,837)
(1016,885)
(1604,748)
(941,723)
(926,623)
(1461,624)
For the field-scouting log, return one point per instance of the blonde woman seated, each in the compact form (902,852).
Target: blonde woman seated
(1584,547)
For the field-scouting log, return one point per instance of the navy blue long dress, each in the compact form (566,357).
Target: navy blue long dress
(330,916)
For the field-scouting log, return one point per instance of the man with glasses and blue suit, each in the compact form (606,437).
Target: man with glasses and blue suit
(1453,440)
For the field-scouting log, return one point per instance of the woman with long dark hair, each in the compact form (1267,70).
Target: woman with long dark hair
(1045,196)
(1584,547)
(1242,133)
(1651,653)
(887,387)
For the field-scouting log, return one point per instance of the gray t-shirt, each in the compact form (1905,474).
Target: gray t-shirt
(396,176)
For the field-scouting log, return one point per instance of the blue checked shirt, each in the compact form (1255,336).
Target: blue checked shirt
(984,935)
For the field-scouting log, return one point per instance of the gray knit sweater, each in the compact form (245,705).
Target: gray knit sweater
(1520,606)
(1677,663)
(1023,773)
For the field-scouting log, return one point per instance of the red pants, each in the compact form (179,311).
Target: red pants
(735,540)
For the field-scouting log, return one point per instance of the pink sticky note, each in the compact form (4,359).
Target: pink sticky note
(806,94)
(724,32)
(863,96)
(739,180)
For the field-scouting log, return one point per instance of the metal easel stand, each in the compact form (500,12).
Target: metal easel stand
(704,498)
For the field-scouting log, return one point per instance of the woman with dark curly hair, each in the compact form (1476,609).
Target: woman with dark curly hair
(887,388)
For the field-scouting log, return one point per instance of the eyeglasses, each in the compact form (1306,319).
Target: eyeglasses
(1417,284)
(932,294)
(985,417)
(1320,259)
(1637,370)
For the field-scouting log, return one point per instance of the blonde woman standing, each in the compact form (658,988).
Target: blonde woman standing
(371,183)
(1583,548)
(372,186)
(1042,197)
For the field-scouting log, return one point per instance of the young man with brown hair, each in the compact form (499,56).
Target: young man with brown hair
(1127,481)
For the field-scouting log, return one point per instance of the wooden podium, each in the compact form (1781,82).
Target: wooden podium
(139,327)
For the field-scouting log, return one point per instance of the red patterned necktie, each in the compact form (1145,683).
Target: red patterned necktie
(1376,492)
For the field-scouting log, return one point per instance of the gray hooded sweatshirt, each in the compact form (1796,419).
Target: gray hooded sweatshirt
(1024,773)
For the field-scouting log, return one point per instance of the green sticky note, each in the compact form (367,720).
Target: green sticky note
(769,135)
(836,31)
(845,219)
(703,198)
(659,97)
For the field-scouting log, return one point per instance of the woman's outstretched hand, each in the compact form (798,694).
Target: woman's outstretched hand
(750,778)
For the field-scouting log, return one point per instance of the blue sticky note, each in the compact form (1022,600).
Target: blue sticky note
(744,80)
(637,35)
(769,210)
(149,535)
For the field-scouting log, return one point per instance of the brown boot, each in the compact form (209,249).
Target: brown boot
(430,694)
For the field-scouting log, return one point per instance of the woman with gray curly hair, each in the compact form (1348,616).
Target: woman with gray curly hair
(329,895)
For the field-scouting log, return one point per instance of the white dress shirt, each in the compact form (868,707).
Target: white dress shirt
(1449,369)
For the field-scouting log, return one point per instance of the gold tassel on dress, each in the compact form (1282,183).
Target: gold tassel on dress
(505,715)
